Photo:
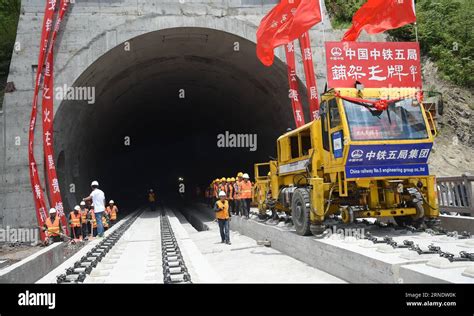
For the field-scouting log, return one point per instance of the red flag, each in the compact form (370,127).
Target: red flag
(376,16)
(283,24)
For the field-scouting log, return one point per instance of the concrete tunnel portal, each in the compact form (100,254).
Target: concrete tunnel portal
(161,99)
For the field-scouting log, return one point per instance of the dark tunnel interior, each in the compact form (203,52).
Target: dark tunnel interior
(161,100)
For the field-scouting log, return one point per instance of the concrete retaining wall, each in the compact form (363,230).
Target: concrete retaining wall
(32,268)
(457,223)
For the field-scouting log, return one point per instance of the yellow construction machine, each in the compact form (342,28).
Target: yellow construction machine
(367,156)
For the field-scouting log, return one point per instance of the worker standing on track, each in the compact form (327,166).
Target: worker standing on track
(75,223)
(245,195)
(230,194)
(52,227)
(223,217)
(97,197)
(112,210)
(152,200)
(84,212)
(237,194)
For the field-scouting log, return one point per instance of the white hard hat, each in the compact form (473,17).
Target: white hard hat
(92,205)
(52,210)
(95,183)
(246,176)
(111,202)
(77,208)
(222,193)
(83,203)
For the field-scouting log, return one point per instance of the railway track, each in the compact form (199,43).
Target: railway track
(143,249)
(174,267)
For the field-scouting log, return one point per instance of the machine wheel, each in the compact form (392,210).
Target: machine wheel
(416,220)
(347,215)
(300,210)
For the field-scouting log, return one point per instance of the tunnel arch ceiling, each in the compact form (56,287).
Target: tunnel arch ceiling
(138,97)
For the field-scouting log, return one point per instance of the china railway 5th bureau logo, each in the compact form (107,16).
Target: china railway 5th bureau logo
(357,154)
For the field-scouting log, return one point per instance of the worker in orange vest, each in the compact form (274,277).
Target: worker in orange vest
(230,194)
(245,195)
(52,227)
(75,223)
(237,197)
(152,200)
(223,217)
(84,211)
(215,191)
(112,210)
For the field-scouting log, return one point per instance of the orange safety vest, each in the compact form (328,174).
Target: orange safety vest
(151,197)
(75,220)
(112,212)
(246,190)
(53,227)
(223,214)
(84,215)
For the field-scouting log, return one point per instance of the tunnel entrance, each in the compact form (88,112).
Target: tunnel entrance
(161,100)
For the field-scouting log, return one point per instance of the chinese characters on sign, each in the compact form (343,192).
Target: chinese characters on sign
(388,160)
(375,65)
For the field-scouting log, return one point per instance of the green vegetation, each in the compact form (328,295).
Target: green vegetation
(341,11)
(445,32)
(9,14)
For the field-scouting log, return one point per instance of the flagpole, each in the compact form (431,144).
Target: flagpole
(416,25)
(416,32)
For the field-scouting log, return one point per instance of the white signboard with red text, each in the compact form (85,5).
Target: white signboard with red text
(375,65)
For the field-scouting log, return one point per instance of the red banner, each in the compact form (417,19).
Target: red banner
(311,87)
(38,195)
(47,116)
(375,65)
(293,81)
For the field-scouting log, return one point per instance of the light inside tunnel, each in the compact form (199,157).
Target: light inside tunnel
(162,99)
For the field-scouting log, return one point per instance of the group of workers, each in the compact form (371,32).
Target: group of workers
(230,196)
(88,219)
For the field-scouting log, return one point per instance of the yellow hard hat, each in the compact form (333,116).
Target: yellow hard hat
(240,174)
(228,179)
(217,180)
(268,173)
(223,179)
(232,179)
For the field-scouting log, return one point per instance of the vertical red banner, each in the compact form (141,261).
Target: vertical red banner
(38,196)
(293,82)
(311,86)
(47,116)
